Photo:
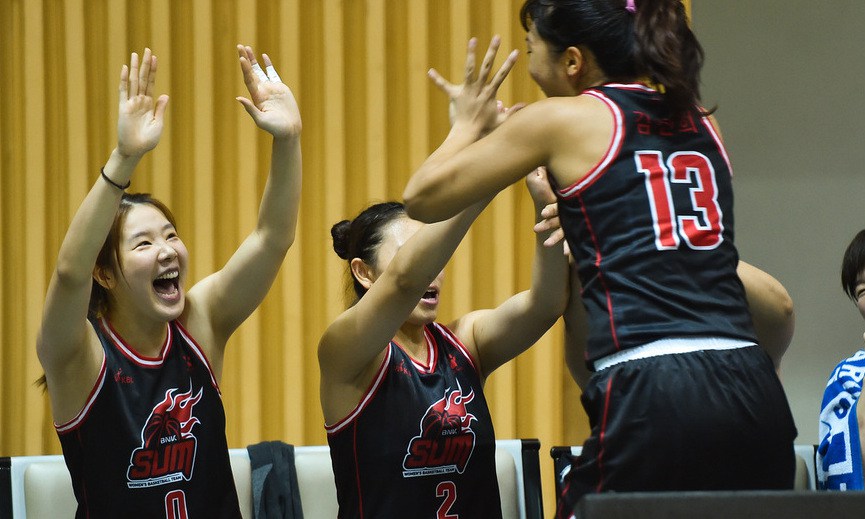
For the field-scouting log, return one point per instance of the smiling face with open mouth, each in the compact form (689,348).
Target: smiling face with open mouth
(153,263)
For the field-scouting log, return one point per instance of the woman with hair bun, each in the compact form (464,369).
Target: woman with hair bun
(408,425)
(681,397)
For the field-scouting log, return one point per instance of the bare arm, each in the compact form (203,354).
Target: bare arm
(449,181)
(500,334)
(67,347)
(771,310)
(222,301)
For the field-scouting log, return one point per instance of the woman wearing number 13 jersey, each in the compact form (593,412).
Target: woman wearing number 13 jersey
(680,398)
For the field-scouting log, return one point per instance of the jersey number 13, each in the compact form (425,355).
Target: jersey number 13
(700,226)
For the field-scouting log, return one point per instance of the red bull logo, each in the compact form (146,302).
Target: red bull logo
(167,452)
(446,439)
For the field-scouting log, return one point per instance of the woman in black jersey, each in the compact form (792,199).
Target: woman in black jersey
(133,357)
(680,398)
(408,425)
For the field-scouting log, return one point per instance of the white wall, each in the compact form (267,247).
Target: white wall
(787,77)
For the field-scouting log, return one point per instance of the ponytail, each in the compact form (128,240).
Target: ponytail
(668,52)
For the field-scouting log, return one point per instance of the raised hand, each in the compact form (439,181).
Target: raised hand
(139,117)
(474,101)
(272,107)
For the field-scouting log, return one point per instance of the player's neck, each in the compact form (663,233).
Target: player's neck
(413,340)
(145,337)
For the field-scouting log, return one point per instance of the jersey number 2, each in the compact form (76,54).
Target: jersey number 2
(447,490)
(700,232)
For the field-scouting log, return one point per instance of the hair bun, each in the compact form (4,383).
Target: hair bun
(339,232)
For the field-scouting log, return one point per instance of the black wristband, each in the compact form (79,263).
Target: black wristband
(113,183)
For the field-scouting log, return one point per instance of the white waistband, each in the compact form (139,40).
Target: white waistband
(670,347)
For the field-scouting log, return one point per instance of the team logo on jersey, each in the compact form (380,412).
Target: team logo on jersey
(446,439)
(167,452)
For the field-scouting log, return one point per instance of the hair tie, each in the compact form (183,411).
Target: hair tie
(631,6)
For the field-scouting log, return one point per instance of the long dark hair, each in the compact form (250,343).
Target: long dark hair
(655,41)
(360,238)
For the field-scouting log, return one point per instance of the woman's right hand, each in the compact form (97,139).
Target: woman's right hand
(139,117)
(473,102)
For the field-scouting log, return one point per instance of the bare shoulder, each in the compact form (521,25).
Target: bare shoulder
(578,131)
(72,381)
(196,320)
(463,329)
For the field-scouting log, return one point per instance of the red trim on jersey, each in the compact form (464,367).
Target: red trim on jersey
(613,149)
(560,508)
(717,138)
(200,353)
(431,355)
(603,433)
(79,418)
(601,279)
(131,354)
(449,335)
(370,392)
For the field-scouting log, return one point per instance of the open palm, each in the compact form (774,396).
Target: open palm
(139,116)
(272,104)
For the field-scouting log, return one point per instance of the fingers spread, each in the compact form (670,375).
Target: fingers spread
(133,75)
(151,80)
(470,60)
(249,77)
(489,57)
(161,104)
(144,72)
(124,83)
(271,71)
(250,107)
(256,69)
(439,81)
(504,70)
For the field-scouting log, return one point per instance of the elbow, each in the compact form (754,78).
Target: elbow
(417,206)
(786,306)
(68,275)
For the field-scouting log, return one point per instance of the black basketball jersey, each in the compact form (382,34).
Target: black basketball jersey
(150,440)
(651,228)
(420,443)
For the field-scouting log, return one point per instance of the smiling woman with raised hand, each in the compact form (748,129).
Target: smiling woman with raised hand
(132,358)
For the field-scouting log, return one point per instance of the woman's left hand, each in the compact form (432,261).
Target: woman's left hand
(272,107)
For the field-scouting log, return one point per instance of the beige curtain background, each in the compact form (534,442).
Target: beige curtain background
(370,116)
